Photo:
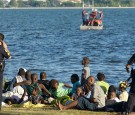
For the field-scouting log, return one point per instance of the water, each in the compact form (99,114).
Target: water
(50,40)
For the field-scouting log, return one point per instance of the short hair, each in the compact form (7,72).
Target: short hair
(33,75)
(53,82)
(42,75)
(1,36)
(21,72)
(86,60)
(112,89)
(28,75)
(75,76)
(100,76)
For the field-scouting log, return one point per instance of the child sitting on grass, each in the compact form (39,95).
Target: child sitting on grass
(111,97)
(75,81)
(35,97)
(79,92)
(123,96)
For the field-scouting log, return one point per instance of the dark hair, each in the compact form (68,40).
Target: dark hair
(33,75)
(53,82)
(1,37)
(28,75)
(111,89)
(75,76)
(86,60)
(42,75)
(21,72)
(100,76)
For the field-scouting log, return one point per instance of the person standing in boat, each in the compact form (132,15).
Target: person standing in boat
(131,99)
(101,14)
(84,17)
(4,53)
(93,16)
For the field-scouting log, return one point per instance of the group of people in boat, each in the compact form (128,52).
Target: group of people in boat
(92,19)
(86,93)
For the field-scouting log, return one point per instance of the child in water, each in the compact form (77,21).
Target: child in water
(85,70)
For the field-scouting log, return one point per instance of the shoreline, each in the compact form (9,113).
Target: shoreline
(69,8)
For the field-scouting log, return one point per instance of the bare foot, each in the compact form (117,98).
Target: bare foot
(61,107)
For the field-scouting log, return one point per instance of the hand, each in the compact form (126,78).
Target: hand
(127,67)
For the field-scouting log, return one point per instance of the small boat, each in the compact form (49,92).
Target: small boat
(93,20)
(86,27)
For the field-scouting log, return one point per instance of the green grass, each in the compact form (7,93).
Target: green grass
(48,111)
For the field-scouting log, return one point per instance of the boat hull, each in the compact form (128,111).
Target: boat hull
(84,27)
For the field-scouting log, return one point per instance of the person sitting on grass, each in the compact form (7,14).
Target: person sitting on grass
(36,98)
(101,82)
(96,100)
(57,90)
(75,81)
(123,96)
(79,93)
(43,80)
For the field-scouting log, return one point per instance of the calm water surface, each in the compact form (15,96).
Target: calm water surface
(50,40)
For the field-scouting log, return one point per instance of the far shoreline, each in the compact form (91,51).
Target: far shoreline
(67,8)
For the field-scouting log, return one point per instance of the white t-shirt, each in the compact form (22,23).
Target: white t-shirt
(123,96)
(87,69)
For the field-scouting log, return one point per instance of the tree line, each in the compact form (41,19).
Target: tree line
(55,3)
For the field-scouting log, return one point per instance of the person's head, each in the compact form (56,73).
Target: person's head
(79,90)
(100,76)
(28,75)
(91,80)
(54,84)
(1,37)
(42,76)
(111,88)
(74,78)
(87,87)
(85,61)
(34,78)
(122,86)
(111,95)
(21,72)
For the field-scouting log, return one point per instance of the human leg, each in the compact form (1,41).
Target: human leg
(1,82)
(69,106)
(85,104)
(130,103)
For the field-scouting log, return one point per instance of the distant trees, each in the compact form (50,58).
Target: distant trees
(1,3)
(56,3)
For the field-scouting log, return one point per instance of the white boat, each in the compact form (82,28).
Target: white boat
(84,27)
(92,23)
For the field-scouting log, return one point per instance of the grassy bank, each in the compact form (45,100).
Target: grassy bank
(47,111)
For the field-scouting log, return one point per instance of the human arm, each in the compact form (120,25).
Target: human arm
(27,82)
(6,49)
(42,87)
(67,85)
(130,62)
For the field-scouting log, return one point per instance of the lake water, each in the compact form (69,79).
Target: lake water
(50,40)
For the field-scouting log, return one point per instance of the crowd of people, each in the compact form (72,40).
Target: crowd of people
(86,93)
(92,19)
